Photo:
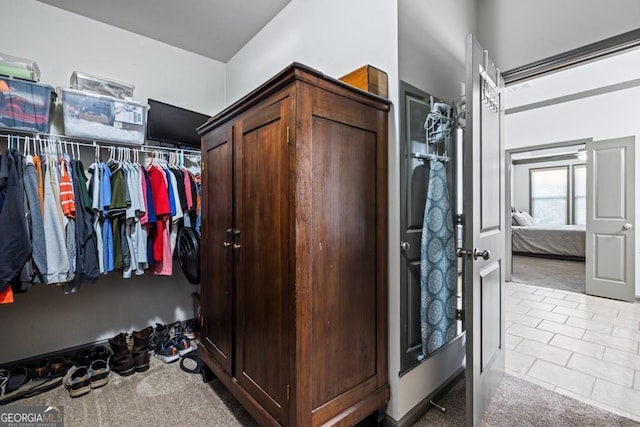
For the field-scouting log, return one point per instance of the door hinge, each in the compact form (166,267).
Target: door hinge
(203,166)
(288,392)
(288,136)
(459,219)
(459,315)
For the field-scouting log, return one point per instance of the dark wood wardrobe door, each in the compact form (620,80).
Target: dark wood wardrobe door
(344,306)
(216,257)
(261,256)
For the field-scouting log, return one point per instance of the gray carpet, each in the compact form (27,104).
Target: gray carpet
(163,396)
(519,403)
(167,396)
(550,273)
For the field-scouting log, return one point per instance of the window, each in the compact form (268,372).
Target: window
(549,194)
(579,194)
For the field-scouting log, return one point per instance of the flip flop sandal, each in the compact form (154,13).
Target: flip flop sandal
(18,385)
(43,369)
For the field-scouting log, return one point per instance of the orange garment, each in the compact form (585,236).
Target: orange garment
(38,164)
(67,202)
(6,296)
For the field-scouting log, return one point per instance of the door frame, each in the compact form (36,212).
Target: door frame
(508,154)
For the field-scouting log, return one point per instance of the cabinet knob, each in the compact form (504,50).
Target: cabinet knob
(226,244)
(236,246)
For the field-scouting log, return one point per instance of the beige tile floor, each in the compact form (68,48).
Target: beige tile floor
(581,346)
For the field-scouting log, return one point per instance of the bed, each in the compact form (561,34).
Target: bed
(558,241)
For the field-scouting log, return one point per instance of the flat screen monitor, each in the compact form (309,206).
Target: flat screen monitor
(170,124)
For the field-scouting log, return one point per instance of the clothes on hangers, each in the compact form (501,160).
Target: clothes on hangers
(64,226)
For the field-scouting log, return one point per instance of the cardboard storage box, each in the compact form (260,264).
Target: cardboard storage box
(25,105)
(369,79)
(101,117)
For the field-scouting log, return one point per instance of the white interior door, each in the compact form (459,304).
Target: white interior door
(484,230)
(610,264)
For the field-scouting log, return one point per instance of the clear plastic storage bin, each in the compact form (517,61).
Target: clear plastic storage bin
(101,85)
(20,68)
(88,115)
(25,105)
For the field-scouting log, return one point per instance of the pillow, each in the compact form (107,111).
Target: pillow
(529,217)
(522,219)
(514,221)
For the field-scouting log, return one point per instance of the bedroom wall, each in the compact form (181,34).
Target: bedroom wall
(43,319)
(598,116)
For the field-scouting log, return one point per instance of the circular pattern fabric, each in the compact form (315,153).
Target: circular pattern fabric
(438,265)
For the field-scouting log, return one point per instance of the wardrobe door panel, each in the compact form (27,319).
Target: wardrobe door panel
(261,170)
(216,257)
(344,272)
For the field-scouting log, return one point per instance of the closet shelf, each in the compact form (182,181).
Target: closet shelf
(91,142)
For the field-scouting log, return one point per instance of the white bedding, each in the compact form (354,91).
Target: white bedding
(561,240)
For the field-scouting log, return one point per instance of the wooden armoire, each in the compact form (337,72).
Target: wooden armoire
(294,250)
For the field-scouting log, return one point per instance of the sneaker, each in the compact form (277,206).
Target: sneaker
(78,381)
(167,351)
(99,373)
(176,329)
(84,357)
(184,345)
(160,335)
(100,353)
(190,330)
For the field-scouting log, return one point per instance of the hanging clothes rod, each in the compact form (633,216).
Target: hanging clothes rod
(93,143)
(430,156)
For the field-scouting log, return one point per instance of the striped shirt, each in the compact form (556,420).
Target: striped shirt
(66,192)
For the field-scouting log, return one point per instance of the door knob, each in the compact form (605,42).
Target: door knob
(627,226)
(226,244)
(236,246)
(405,246)
(485,255)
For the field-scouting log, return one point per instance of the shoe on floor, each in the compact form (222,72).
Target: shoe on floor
(99,373)
(160,335)
(184,344)
(176,329)
(190,330)
(167,351)
(78,381)
(141,361)
(142,340)
(121,361)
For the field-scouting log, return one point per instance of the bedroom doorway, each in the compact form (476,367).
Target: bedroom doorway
(594,101)
(546,188)
(573,202)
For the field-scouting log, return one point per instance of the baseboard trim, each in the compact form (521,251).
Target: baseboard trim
(69,352)
(423,406)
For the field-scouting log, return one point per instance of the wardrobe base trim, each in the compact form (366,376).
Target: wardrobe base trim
(248,403)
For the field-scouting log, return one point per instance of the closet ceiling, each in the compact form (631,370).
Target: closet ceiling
(213,28)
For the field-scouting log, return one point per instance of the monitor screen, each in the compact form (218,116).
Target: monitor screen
(175,125)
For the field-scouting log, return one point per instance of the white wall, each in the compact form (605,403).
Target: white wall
(43,319)
(431,56)
(518,32)
(334,37)
(606,116)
